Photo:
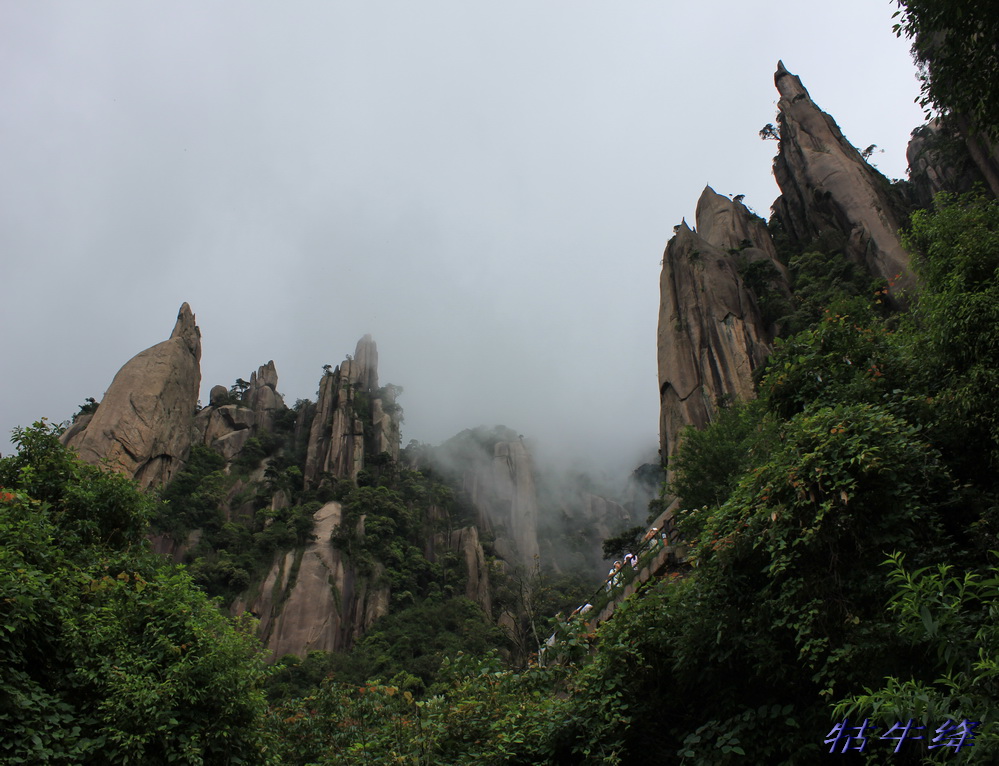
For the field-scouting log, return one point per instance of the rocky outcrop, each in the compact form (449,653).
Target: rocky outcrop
(495,471)
(728,224)
(711,333)
(226,427)
(600,514)
(336,439)
(262,396)
(165,545)
(385,427)
(513,473)
(465,542)
(351,418)
(939,161)
(312,599)
(826,185)
(218,397)
(502,489)
(143,425)
(364,369)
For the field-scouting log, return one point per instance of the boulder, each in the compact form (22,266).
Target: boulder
(219,396)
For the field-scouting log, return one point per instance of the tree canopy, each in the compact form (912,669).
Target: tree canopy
(956,42)
(107,654)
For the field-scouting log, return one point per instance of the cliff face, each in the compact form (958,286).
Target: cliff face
(314,596)
(939,161)
(514,501)
(143,424)
(348,396)
(495,470)
(711,332)
(312,599)
(262,396)
(466,542)
(827,186)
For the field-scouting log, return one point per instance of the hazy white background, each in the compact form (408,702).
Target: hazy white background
(486,187)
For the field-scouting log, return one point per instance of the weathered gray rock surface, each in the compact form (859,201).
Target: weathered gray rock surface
(826,185)
(711,335)
(311,599)
(502,489)
(227,427)
(939,161)
(466,542)
(262,396)
(348,396)
(144,423)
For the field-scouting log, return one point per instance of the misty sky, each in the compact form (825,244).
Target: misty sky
(485,187)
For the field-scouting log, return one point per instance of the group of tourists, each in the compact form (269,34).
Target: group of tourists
(653,540)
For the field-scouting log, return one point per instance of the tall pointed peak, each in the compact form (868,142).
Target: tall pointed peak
(366,361)
(789,85)
(144,424)
(187,330)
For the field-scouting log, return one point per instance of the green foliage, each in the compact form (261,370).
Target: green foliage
(952,618)
(480,714)
(846,357)
(865,425)
(824,279)
(955,41)
(871,437)
(238,390)
(90,507)
(408,647)
(709,463)
(525,601)
(957,317)
(383,531)
(89,407)
(107,656)
(763,278)
(258,447)
(769,132)
(192,499)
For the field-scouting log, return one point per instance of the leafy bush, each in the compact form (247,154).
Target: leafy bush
(108,656)
(952,618)
(710,462)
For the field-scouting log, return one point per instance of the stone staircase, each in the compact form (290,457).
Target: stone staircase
(659,555)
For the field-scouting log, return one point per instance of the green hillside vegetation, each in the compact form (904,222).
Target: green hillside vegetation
(107,654)
(841,566)
(841,556)
(842,531)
